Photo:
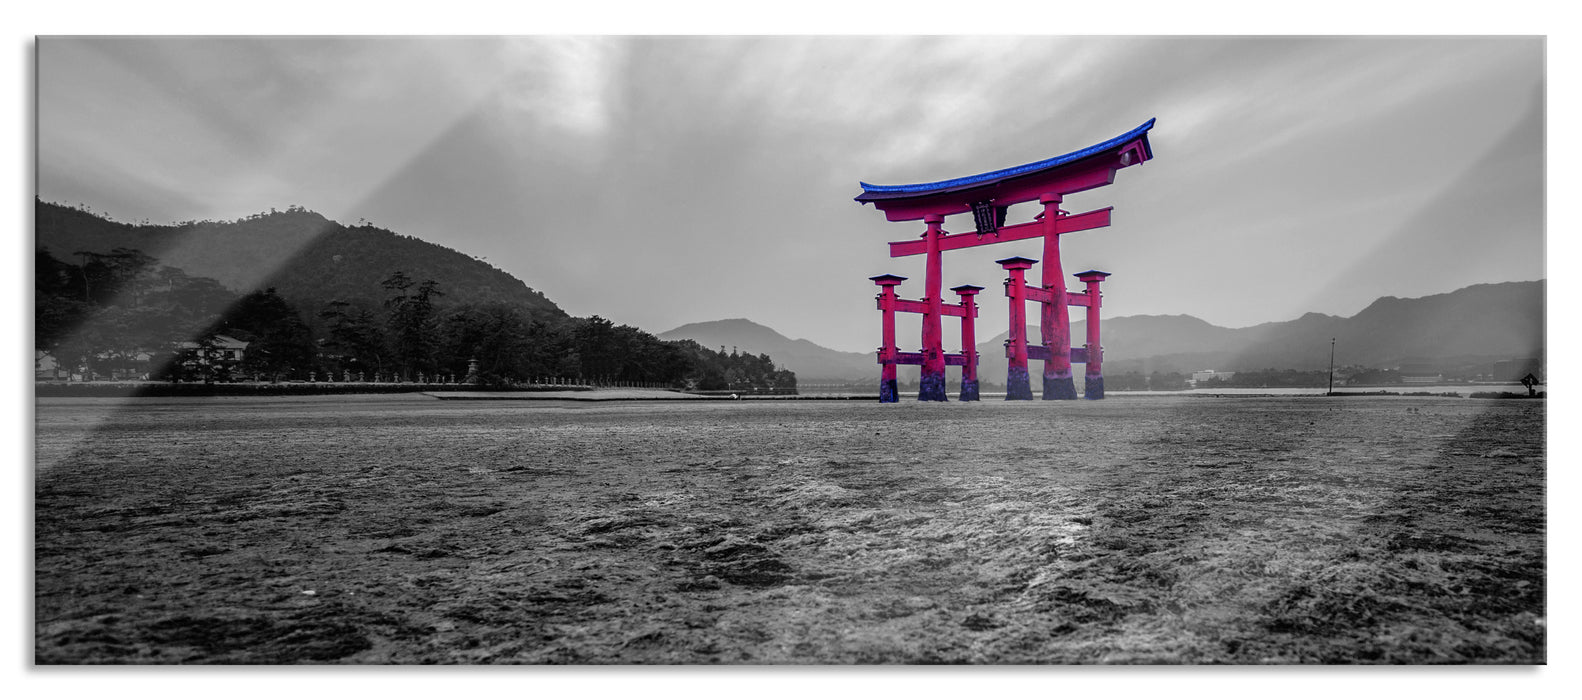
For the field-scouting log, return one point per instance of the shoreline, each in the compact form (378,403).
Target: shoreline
(452,392)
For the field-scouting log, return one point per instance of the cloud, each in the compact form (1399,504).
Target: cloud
(572,84)
(692,165)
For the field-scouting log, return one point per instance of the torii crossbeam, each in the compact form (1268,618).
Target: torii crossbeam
(987,196)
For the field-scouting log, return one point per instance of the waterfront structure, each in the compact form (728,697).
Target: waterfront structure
(988,196)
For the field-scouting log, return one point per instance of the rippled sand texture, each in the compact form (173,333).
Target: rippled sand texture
(403,529)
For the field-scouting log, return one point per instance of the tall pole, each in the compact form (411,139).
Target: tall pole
(969,341)
(1331,366)
(1093,377)
(1054,320)
(887,348)
(1016,383)
(931,383)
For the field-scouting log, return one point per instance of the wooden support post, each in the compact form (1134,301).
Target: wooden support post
(931,384)
(1054,323)
(1093,377)
(888,349)
(1016,383)
(969,341)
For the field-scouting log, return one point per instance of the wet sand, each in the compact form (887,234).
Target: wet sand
(1144,529)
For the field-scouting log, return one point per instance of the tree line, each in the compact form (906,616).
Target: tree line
(1270,377)
(1153,381)
(123,314)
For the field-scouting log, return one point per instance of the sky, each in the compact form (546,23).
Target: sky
(1290,175)
(665,180)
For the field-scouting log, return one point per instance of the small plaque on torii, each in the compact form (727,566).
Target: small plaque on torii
(987,217)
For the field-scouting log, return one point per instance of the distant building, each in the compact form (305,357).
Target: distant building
(117,367)
(224,353)
(230,349)
(1201,376)
(224,350)
(45,366)
(1421,373)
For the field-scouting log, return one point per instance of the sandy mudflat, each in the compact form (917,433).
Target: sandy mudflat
(406,529)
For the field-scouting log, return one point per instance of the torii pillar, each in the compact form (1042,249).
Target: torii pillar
(888,352)
(1093,377)
(1016,384)
(931,382)
(1054,319)
(969,341)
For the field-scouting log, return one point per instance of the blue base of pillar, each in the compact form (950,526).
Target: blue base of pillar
(1060,388)
(1093,386)
(1017,387)
(969,390)
(931,387)
(887,392)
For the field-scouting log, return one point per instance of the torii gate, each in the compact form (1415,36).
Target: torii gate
(987,196)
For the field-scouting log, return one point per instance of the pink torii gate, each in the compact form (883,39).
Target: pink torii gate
(987,196)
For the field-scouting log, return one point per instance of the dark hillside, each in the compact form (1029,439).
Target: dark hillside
(312,299)
(349,263)
(308,259)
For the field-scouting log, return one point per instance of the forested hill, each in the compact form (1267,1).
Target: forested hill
(308,259)
(315,300)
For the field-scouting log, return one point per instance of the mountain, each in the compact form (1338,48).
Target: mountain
(813,364)
(311,260)
(1475,325)
(1481,320)
(308,259)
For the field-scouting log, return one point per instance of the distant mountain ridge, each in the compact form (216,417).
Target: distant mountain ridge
(311,260)
(818,364)
(308,259)
(1477,324)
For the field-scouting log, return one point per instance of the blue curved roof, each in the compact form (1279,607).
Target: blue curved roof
(989,177)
